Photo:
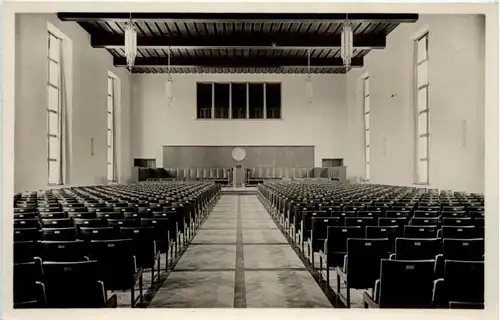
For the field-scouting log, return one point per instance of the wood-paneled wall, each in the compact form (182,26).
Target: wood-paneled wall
(220,156)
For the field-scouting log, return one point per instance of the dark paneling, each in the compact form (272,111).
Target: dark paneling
(220,156)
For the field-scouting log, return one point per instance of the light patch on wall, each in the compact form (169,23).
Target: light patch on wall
(168,90)
(464,133)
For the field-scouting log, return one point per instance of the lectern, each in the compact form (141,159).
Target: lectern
(239,155)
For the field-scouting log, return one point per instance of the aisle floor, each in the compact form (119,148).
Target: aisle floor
(239,259)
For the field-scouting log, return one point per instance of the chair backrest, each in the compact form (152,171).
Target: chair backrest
(460,221)
(337,237)
(116,260)
(401,221)
(363,222)
(479,222)
(53,215)
(420,231)
(464,281)
(27,223)
(397,214)
(424,221)
(417,249)
(363,261)
(26,234)
(426,213)
(320,225)
(73,284)
(98,233)
(57,223)
(25,251)
(463,249)
(25,276)
(459,232)
(454,214)
(89,223)
(389,232)
(371,213)
(62,250)
(59,234)
(406,284)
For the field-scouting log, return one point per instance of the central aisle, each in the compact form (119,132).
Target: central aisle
(240,259)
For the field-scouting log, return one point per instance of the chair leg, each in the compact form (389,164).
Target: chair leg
(338,289)
(140,289)
(132,297)
(327,271)
(348,295)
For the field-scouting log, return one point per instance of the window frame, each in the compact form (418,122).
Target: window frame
(366,124)
(58,136)
(421,113)
(247,96)
(111,131)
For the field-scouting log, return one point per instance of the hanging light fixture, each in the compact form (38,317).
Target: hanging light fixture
(346,44)
(130,43)
(309,84)
(169,81)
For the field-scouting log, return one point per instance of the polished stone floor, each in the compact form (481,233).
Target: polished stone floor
(239,258)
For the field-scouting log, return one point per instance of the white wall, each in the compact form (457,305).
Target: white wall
(88,106)
(155,124)
(456,93)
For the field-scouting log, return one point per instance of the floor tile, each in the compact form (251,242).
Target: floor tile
(206,257)
(270,236)
(270,257)
(214,236)
(196,290)
(283,289)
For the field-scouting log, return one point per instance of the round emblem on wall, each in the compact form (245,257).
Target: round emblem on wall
(239,154)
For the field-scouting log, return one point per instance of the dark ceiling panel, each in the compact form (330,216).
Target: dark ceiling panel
(254,62)
(235,42)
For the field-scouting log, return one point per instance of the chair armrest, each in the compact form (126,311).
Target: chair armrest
(392,256)
(438,264)
(437,292)
(138,274)
(376,291)
(344,269)
(369,302)
(135,263)
(103,291)
(38,260)
(341,274)
(42,292)
(87,258)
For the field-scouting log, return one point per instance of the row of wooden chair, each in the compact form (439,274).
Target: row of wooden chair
(418,243)
(78,243)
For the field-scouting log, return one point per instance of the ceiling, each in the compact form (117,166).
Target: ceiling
(237,42)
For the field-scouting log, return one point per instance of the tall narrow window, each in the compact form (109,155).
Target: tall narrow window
(54,117)
(422,110)
(238,100)
(111,129)
(366,108)
(204,101)
(221,100)
(273,100)
(256,100)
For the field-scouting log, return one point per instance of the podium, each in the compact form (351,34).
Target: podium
(238,176)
